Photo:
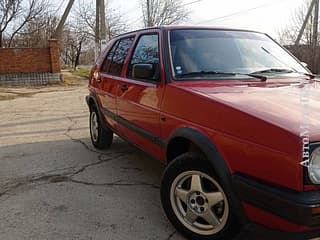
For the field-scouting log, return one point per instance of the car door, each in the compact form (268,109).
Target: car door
(110,72)
(139,99)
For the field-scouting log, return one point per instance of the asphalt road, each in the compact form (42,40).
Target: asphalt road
(55,185)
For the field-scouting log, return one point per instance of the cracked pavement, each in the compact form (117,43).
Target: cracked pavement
(55,185)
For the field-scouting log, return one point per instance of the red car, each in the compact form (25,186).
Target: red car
(232,114)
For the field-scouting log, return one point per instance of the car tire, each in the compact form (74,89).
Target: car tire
(101,137)
(194,200)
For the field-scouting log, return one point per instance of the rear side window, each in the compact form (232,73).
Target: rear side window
(114,61)
(146,52)
(107,62)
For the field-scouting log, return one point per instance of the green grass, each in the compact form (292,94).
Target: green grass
(82,72)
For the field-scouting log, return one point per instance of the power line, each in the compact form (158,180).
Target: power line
(137,20)
(131,9)
(140,18)
(59,8)
(186,4)
(237,13)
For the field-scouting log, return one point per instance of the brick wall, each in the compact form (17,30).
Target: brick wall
(54,50)
(30,60)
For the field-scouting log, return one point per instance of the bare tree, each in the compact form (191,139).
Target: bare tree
(289,34)
(36,32)
(115,23)
(33,9)
(74,41)
(306,51)
(9,11)
(16,14)
(163,12)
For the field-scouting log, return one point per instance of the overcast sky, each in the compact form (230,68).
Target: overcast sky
(262,15)
(268,16)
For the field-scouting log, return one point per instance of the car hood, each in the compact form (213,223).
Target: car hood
(292,106)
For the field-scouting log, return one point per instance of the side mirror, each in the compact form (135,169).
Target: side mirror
(304,64)
(142,71)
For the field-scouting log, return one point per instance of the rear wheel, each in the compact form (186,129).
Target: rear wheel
(101,137)
(194,200)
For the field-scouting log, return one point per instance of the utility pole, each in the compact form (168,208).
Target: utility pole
(100,33)
(103,25)
(305,22)
(148,14)
(97,33)
(314,6)
(315,34)
(58,32)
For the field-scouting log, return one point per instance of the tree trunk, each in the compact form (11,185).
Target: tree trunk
(76,62)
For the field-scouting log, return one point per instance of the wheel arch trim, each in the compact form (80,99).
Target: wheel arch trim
(92,97)
(216,161)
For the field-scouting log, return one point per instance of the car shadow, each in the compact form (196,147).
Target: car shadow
(73,166)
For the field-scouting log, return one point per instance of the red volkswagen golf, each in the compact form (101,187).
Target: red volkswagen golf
(233,116)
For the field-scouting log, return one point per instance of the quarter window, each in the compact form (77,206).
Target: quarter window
(106,64)
(146,52)
(115,59)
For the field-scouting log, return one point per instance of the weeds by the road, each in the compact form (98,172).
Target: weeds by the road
(74,77)
(82,72)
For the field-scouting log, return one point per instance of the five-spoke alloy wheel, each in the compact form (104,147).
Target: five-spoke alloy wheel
(194,200)
(199,202)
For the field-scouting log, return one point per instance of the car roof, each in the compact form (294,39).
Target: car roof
(182,27)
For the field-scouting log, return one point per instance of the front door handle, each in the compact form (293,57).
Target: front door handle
(123,87)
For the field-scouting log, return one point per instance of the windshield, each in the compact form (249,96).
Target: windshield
(208,54)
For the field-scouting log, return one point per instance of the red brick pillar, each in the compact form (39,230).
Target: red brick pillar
(54,50)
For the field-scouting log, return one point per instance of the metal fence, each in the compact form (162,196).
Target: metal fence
(34,79)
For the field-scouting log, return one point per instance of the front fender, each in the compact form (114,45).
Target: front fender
(218,164)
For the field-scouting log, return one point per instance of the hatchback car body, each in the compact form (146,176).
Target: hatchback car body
(233,115)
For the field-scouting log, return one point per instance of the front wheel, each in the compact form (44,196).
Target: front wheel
(195,201)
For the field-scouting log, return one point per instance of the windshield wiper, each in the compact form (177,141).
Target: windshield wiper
(310,75)
(283,70)
(200,73)
(274,70)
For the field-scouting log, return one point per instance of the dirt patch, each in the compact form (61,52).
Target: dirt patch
(2,98)
(70,81)
(6,94)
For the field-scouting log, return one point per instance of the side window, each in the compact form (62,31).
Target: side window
(107,61)
(120,55)
(146,52)
(114,61)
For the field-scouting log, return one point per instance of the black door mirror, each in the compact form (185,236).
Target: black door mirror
(142,71)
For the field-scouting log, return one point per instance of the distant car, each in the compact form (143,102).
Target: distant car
(223,109)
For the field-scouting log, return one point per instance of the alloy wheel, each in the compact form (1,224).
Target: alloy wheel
(199,202)
(94,126)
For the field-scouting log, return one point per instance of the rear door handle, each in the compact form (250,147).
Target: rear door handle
(123,87)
